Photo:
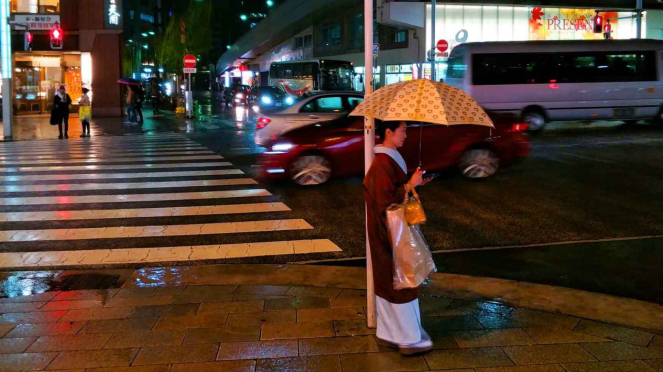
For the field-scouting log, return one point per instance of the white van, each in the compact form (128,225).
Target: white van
(541,81)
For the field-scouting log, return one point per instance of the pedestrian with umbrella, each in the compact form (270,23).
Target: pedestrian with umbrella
(132,98)
(386,185)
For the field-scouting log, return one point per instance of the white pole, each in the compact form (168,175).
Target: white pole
(6,62)
(369,143)
(189,99)
(638,11)
(433,42)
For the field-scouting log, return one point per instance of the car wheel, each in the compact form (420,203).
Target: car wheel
(310,170)
(479,163)
(535,121)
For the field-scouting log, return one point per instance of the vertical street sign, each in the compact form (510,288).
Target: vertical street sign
(189,68)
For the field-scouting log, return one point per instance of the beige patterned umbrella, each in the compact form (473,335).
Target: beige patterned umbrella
(425,101)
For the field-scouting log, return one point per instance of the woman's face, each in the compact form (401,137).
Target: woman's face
(398,136)
(62,90)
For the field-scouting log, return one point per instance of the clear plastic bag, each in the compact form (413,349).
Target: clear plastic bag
(413,261)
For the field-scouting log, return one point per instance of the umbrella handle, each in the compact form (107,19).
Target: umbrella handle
(421,134)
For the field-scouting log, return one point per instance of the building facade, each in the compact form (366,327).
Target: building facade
(318,29)
(90,55)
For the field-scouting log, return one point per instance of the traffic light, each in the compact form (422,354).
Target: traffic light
(598,23)
(57,37)
(27,45)
(607,30)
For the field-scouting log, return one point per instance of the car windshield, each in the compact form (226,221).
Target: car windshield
(274,91)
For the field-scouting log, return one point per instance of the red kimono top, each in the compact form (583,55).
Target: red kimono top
(384,185)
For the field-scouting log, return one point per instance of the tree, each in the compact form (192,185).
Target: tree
(194,25)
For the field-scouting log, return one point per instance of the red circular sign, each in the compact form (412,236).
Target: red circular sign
(442,45)
(189,61)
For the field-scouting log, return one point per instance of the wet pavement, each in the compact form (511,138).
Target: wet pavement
(594,185)
(310,318)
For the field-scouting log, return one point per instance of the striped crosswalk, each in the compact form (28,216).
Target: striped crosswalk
(144,199)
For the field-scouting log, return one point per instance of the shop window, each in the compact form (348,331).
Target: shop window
(307,40)
(35,6)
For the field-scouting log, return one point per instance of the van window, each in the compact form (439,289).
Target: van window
(543,68)
(456,66)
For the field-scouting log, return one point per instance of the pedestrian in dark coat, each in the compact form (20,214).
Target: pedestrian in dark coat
(61,104)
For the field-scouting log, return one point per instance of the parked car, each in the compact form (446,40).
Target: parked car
(311,109)
(269,98)
(237,95)
(313,154)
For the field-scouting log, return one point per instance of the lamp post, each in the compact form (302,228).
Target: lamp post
(6,61)
(369,143)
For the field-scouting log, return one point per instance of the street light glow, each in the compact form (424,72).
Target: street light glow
(243,17)
(228,46)
(270,3)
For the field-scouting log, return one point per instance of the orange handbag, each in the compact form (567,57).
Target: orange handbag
(414,211)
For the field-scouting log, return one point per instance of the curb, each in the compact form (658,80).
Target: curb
(583,304)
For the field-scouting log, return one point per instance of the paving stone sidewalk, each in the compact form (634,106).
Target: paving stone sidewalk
(178,324)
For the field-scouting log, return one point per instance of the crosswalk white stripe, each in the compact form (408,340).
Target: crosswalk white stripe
(106,176)
(99,214)
(22,151)
(104,152)
(111,167)
(133,198)
(153,231)
(164,254)
(100,145)
(127,186)
(106,155)
(111,160)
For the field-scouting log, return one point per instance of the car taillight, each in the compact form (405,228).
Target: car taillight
(520,127)
(262,122)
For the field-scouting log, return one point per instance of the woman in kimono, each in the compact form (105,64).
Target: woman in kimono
(398,316)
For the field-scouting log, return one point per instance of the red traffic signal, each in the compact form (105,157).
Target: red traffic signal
(598,24)
(57,37)
(27,44)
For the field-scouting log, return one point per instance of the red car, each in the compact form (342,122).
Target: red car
(313,154)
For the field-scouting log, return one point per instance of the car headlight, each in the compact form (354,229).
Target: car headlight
(266,100)
(289,100)
(239,95)
(282,147)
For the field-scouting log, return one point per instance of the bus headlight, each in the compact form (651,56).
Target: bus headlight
(266,100)
(289,100)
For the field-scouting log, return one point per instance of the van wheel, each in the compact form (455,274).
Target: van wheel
(535,121)
(310,170)
(479,163)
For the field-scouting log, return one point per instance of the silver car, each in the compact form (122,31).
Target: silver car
(310,110)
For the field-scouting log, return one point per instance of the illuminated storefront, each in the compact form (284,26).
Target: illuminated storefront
(89,55)
(459,24)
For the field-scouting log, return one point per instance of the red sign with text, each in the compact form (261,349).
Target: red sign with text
(442,45)
(189,61)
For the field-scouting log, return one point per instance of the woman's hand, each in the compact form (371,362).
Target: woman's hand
(418,178)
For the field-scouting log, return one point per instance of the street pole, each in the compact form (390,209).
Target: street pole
(433,43)
(6,62)
(189,99)
(369,143)
(638,20)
